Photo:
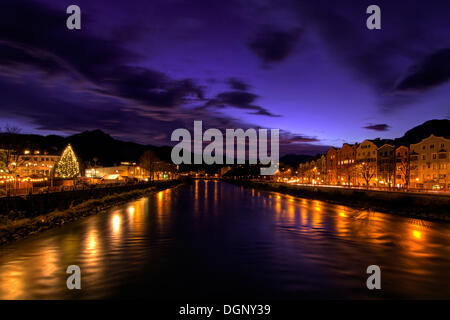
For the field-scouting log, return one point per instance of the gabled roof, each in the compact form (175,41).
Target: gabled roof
(381,142)
(430,137)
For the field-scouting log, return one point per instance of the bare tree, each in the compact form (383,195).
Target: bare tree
(367,171)
(348,171)
(404,169)
(11,158)
(11,148)
(149,161)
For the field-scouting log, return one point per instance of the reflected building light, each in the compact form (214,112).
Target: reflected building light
(116,223)
(291,211)
(12,282)
(196,190)
(131,210)
(417,234)
(278,205)
(92,241)
(159,206)
(216,192)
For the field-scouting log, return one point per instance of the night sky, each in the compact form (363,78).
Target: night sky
(138,69)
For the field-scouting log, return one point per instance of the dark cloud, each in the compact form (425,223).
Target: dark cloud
(300,144)
(297,138)
(290,138)
(264,112)
(274,45)
(72,113)
(378,127)
(241,100)
(380,58)
(237,84)
(432,71)
(41,42)
(237,98)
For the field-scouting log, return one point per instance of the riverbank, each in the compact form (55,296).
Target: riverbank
(16,228)
(422,206)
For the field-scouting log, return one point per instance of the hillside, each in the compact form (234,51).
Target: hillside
(439,128)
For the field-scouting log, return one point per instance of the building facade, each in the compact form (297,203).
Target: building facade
(33,164)
(346,164)
(331,166)
(430,166)
(366,163)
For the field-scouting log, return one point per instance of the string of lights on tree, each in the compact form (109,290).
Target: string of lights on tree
(67,166)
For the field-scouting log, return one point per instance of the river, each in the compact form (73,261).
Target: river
(211,240)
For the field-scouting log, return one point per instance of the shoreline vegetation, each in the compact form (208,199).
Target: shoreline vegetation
(15,229)
(422,206)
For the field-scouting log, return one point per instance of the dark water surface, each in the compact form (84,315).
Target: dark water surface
(213,240)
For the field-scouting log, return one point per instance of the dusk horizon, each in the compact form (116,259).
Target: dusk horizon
(300,67)
(283,152)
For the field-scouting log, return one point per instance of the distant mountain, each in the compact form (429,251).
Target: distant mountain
(295,159)
(440,128)
(109,151)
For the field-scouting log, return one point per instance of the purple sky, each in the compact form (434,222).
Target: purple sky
(140,69)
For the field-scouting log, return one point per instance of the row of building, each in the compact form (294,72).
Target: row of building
(382,163)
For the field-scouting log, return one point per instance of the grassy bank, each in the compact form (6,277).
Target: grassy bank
(12,229)
(424,206)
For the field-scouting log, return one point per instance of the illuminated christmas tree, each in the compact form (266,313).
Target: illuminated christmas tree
(67,166)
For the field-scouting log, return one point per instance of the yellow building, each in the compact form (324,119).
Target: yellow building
(429,163)
(331,166)
(33,164)
(366,163)
(321,164)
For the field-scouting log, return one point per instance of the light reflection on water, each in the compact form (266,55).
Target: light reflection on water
(212,239)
